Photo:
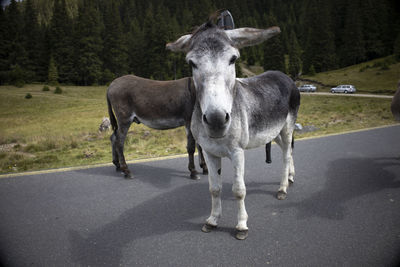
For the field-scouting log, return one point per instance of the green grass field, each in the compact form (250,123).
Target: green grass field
(379,76)
(59,130)
(51,130)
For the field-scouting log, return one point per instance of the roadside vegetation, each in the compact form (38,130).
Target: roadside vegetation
(52,130)
(379,76)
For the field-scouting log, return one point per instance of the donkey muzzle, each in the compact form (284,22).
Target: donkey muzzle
(216,123)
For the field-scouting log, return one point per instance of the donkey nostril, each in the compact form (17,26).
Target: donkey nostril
(205,119)
(226,117)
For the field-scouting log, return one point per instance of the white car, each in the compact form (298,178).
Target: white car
(307,88)
(343,89)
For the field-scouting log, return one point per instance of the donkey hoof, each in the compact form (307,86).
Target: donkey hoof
(208,228)
(281,195)
(291,182)
(242,234)
(128,175)
(194,176)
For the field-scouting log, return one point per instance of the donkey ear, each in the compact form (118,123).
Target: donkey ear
(180,45)
(243,37)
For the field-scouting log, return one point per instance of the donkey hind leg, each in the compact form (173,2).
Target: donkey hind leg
(285,142)
(215,187)
(268,153)
(191,148)
(278,141)
(115,158)
(202,161)
(239,191)
(120,140)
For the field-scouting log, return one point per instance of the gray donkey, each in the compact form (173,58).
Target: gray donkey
(231,115)
(157,104)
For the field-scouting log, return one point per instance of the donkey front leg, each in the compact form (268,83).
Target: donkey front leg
(215,186)
(239,191)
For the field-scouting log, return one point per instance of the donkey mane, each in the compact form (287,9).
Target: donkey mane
(209,43)
(210,23)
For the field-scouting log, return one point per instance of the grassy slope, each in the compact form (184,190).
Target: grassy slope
(369,80)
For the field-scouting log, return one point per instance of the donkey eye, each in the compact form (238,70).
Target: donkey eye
(233,60)
(192,65)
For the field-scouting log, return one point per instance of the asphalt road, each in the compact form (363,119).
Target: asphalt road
(343,210)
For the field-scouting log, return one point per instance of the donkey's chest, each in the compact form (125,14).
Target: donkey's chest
(221,147)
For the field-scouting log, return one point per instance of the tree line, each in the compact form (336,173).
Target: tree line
(87,42)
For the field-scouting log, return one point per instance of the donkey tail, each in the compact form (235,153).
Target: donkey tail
(111,115)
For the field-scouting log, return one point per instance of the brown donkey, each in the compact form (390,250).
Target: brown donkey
(159,105)
(396,104)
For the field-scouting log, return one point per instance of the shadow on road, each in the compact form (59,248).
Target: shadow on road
(183,209)
(166,213)
(348,179)
(158,177)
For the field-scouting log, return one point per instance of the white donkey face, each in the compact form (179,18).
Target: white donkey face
(212,53)
(213,66)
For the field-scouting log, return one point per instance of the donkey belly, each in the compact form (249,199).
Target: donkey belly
(265,136)
(159,123)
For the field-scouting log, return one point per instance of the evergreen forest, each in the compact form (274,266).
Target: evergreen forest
(86,42)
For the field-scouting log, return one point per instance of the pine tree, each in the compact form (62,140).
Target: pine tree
(295,63)
(136,47)
(52,77)
(17,57)
(320,46)
(273,50)
(62,42)
(396,47)
(43,53)
(14,33)
(31,40)
(115,52)
(201,10)
(159,60)
(372,29)
(149,36)
(4,46)
(352,50)
(88,36)
(186,20)
(128,13)
(156,33)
